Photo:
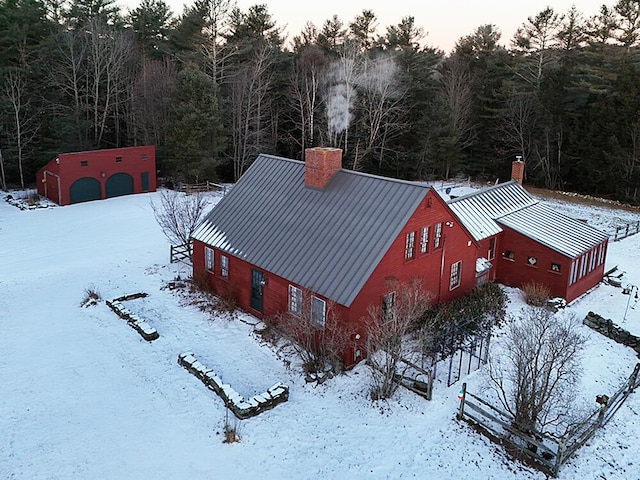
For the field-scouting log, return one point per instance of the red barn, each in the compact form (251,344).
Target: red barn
(343,238)
(526,240)
(98,174)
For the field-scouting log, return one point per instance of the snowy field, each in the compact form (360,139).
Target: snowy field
(82,396)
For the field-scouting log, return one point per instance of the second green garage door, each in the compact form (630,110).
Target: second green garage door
(119,184)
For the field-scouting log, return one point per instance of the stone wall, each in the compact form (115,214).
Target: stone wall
(240,407)
(609,329)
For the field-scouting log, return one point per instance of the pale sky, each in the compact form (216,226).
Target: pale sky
(444,22)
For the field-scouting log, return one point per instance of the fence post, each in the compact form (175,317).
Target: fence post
(559,458)
(462,396)
(171,254)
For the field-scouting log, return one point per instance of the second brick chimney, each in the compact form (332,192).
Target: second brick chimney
(517,170)
(320,163)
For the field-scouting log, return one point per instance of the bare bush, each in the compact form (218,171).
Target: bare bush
(321,347)
(536,294)
(231,428)
(537,368)
(179,215)
(91,296)
(386,328)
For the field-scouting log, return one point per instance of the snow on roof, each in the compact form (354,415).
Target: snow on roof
(484,213)
(478,210)
(566,235)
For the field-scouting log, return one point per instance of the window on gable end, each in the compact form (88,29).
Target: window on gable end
(454,280)
(409,250)
(437,235)
(424,240)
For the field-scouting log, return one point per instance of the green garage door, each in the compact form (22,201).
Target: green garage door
(84,190)
(119,184)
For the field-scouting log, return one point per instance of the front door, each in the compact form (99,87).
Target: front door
(257,282)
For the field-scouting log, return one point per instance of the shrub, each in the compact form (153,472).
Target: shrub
(536,294)
(91,296)
(231,428)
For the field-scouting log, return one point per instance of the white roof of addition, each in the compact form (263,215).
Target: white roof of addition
(478,210)
(485,212)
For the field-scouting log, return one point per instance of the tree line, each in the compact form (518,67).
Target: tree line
(214,86)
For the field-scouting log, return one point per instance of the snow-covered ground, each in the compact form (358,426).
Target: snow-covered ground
(82,396)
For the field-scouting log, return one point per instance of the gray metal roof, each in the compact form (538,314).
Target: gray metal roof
(509,204)
(328,241)
(478,211)
(565,235)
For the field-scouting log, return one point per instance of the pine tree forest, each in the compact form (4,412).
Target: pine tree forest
(214,86)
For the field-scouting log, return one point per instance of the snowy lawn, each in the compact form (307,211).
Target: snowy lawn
(83,396)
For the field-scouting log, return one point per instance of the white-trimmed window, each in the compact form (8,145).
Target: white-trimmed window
(424,240)
(224,266)
(409,249)
(555,267)
(533,261)
(318,311)
(208,259)
(295,300)
(454,280)
(388,307)
(437,235)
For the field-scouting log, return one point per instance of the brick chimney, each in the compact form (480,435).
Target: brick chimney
(517,170)
(320,165)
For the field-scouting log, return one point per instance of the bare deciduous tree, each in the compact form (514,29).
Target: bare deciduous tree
(381,98)
(386,326)
(537,368)
(305,98)
(456,88)
(24,126)
(179,215)
(250,85)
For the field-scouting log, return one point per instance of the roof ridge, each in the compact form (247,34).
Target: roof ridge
(353,172)
(489,189)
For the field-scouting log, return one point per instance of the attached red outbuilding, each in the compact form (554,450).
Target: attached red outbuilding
(98,174)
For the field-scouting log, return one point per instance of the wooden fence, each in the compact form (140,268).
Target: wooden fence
(181,253)
(624,231)
(543,451)
(207,186)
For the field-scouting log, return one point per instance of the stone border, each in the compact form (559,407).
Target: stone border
(241,408)
(609,329)
(145,330)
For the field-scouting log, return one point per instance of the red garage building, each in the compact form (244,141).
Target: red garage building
(98,174)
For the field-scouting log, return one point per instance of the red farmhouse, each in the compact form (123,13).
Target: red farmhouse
(339,238)
(98,174)
(344,238)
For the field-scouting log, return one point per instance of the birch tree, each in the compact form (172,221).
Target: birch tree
(23,125)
